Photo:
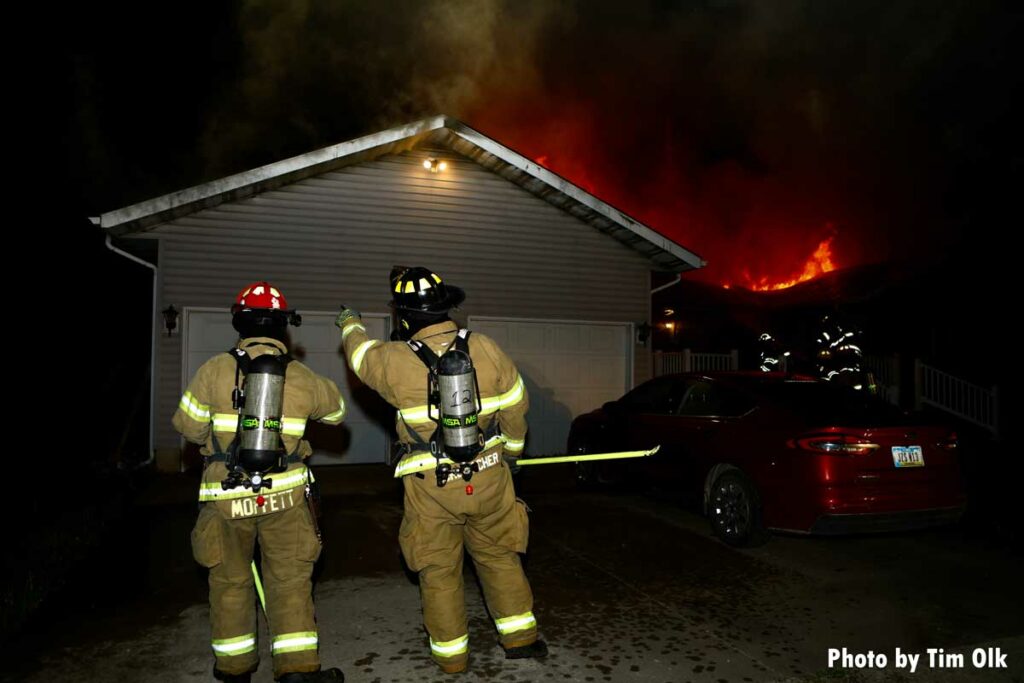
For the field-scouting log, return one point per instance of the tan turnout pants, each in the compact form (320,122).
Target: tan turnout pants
(491,523)
(288,547)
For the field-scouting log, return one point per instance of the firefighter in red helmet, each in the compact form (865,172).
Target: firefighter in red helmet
(248,409)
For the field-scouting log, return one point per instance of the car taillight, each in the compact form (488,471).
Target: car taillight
(950,443)
(834,444)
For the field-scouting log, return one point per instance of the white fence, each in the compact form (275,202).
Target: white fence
(690,361)
(973,403)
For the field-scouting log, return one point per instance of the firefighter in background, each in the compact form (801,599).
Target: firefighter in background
(840,357)
(248,409)
(771,354)
(458,486)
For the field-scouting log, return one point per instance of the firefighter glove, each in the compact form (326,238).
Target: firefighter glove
(345,315)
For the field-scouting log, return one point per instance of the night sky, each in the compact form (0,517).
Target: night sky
(749,131)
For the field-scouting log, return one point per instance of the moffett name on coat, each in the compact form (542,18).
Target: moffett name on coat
(931,658)
(248,507)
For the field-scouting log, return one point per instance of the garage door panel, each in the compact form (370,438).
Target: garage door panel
(609,367)
(361,437)
(534,366)
(565,337)
(211,333)
(569,371)
(569,368)
(526,339)
(312,334)
(499,333)
(603,340)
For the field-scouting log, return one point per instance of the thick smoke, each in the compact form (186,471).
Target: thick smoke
(748,130)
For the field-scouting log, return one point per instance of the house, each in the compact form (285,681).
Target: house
(557,277)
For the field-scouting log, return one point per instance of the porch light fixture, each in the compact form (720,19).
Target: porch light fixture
(434,165)
(170,319)
(643,331)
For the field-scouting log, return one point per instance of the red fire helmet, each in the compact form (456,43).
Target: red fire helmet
(260,295)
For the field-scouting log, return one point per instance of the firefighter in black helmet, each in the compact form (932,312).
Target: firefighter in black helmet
(420,298)
(457,494)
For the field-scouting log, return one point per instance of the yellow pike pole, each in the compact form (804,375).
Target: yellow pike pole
(585,457)
(259,586)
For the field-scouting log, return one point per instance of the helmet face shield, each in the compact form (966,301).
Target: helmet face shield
(419,289)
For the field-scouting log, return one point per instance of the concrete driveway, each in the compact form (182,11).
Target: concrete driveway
(628,588)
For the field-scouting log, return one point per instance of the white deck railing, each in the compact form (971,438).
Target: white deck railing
(690,361)
(976,404)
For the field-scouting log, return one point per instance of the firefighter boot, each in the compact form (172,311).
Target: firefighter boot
(323,676)
(534,650)
(231,678)
(455,667)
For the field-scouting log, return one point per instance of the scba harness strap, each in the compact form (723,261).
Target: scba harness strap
(429,358)
(455,424)
(242,363)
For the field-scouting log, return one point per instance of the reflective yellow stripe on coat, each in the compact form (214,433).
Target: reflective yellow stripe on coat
(421,461)
(211,490)
(190,405)
(337,416)
(488,404)
(228,422)
(356,360)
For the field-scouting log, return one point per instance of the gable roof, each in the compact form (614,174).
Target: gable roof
(446,131)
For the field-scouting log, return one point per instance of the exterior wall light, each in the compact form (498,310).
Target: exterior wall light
(434,165)
(643,332)
(170,319)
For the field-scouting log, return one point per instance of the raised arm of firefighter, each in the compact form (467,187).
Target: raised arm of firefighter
(362,352)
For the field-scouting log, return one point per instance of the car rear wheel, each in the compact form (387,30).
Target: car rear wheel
(586,474)
(590,476)
(734,509)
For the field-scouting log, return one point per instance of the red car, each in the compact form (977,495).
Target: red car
(776,451)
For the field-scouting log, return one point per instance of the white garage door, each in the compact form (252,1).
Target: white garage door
(363,437)
(569,368)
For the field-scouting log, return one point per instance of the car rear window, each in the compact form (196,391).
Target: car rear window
(820,403)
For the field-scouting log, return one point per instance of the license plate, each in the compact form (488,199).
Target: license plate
(907,456)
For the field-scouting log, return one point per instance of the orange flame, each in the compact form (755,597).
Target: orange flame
(819,263)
